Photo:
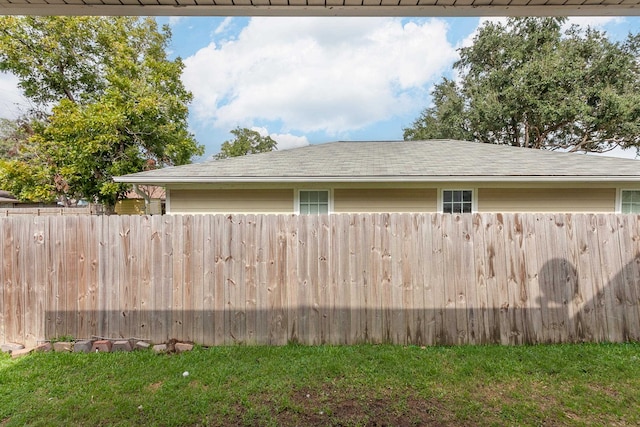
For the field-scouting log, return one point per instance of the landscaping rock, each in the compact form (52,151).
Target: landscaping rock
(44,347)
(183,346)
(160,348)
(21,352)
(10,347)
(141,345)
(84,346)
(121,346)
(62,346)
(103,346)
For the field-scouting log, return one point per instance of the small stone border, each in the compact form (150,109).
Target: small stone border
(97,346)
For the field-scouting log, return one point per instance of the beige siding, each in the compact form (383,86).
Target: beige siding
(231,201)
(546,200)
(385,200)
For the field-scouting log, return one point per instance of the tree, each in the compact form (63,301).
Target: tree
(114,104)
(529,84)
(246,141)
(13,136)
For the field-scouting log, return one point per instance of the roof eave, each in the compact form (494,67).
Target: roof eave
(426,179)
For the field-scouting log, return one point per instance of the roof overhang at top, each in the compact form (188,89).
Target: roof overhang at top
(323,7)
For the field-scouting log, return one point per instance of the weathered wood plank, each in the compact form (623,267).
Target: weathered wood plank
(437,278)
(187,278)
(219,297)
(386,283)
(209,261)
(533,316)
(610,262)
(628,273)
(313,307)
(261,274)
(302,283)
(180,258)
(292,283)
(278,268)
(324,268)
(251,259)
(480,282)
(353,281)
(4,269)
(516,282)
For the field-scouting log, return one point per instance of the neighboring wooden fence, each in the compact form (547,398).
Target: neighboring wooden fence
(271,279)
(61,211)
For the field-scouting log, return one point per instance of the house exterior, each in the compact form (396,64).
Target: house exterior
(401,176)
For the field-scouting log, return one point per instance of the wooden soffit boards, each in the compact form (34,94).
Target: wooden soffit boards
(323,7)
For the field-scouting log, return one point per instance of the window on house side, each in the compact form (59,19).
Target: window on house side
(630,201)
(314,202)
(457,201)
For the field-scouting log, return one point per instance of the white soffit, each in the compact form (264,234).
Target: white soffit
(323,7)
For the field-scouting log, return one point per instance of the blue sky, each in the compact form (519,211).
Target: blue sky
(313,80)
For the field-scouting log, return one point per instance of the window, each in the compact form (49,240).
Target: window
(457,201)
(630,201)
(314,202)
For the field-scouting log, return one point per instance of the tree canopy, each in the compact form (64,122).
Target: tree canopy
(246,141)
(113,104)
(527,83)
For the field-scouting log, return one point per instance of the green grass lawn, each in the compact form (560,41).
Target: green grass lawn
(583,384)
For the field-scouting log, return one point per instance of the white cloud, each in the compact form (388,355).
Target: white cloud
(592,21)
(317,74)
(12,103)
(175,20)
(284,140)
(223,26)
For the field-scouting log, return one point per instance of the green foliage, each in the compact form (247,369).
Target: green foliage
(119,105)
(246,141)
(526,83)
(13,135)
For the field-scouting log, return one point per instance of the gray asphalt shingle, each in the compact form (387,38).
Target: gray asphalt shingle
(396,160)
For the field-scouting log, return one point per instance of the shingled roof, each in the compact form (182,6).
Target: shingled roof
(409,161)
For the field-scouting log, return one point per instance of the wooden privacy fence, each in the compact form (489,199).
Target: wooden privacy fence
(271,279)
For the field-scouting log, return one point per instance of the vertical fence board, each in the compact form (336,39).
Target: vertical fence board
(251,260)
(533,316)
(8,268)
(324,266)
(609,259)
(28,285)
(188,317)
(84,268)
(40,277)
(209,260)
(302,283)
(628,275)
(354,282)
(633,243)
(4,224)
(157,308)
(219,297)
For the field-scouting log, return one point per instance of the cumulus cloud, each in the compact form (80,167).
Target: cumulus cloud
(317,74)
(284,140)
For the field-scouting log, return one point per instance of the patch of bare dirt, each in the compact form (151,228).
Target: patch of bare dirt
(339,408)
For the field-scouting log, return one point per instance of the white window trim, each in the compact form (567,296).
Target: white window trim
(296,198)
(619,197)
(167,201)
(474,197)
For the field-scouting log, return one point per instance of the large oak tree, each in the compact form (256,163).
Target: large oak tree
(113,104)
(528,83)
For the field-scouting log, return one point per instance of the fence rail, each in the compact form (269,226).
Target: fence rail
(270,279)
